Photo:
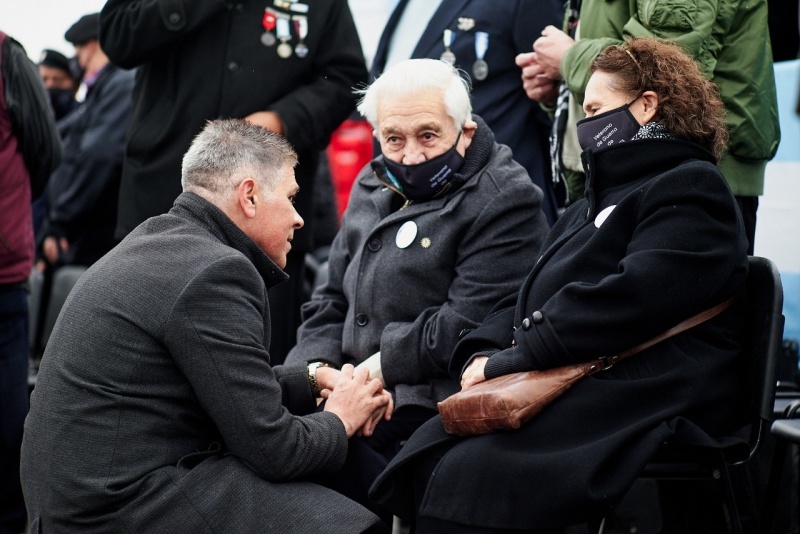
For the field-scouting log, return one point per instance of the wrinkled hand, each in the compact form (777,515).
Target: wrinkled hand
(550,49)
(52,248)
(266,119)
(473,374)
(381,414)
(355,399)
(534,81)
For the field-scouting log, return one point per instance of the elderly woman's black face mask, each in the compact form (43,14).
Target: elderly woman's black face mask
(607,129)
(428,179)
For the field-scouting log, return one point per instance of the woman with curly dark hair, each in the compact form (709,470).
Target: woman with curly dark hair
(657,239)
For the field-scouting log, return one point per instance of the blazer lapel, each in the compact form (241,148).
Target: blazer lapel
(430,44)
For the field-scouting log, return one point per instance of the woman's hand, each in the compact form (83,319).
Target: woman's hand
(474,372)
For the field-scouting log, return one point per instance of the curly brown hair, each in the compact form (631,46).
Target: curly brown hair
(688,104)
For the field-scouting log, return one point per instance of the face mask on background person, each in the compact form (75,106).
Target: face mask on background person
(62,101)
(428,179)
(607,129)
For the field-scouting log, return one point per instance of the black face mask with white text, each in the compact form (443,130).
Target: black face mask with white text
(607,129)
(428,179)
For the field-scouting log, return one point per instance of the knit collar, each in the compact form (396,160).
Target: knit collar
(195,208)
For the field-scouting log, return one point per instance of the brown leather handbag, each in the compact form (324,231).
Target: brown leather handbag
(508,401)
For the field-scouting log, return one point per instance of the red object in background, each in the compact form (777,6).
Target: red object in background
(349,150)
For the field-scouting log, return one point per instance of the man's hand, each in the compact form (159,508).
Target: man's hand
(355,399)
(52,248)
(536,84)
(266,119)
(473,374)
(550,49)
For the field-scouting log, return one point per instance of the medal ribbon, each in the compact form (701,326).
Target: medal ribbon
(481,44)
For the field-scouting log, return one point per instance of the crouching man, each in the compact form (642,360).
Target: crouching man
(156,409)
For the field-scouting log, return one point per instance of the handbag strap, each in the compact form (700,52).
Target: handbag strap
(691,322)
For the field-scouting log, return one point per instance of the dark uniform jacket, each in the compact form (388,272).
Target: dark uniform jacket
(499,99)
(472,246)
(83,191)
(204,60)
(657,240)
(156,408)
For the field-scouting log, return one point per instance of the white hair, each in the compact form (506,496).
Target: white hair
(414,75)
(226,151)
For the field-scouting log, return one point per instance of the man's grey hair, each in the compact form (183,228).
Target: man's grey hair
(227,151)
(413,75)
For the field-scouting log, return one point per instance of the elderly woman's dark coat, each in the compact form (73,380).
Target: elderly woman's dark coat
(657,240)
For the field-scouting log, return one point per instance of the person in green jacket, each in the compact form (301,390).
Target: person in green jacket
(728,38)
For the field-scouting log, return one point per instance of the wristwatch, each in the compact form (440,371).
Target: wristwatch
(312,376)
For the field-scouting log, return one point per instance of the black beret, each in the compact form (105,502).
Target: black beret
(56,60)
(86,29)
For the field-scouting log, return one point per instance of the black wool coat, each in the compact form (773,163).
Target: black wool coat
(204,60)
(657,239)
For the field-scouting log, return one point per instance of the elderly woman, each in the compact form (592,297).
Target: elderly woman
(439,227)
(657,239)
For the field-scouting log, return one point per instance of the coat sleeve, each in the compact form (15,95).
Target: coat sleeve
(311,112)
(531,18)
(32,119)
(80,181)
(494,256)
(688,23)
(133,32)
(215,333)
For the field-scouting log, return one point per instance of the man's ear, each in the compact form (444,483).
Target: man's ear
(247,197)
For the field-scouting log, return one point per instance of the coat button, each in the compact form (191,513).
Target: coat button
(361,319)
(233,66)
(174,18)
(537,317)
(526,324)
(239,8)
(374,245)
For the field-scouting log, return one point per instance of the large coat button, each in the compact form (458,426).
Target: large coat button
(526,324)
(537,317)
(374,245)
(361,319)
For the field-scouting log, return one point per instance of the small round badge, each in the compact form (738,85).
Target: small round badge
(406,234)
(603,215)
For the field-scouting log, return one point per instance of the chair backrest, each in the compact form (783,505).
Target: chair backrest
(762,338)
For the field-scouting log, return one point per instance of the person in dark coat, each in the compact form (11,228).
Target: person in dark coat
(83,191)
(157,383)
(290,68)
(29,151)
(408,271)
(657,239)
(493,32)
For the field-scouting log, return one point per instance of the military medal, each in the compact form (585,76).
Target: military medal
(268,38)
(448,55)
(480,69)
(284,34)
(301,28)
